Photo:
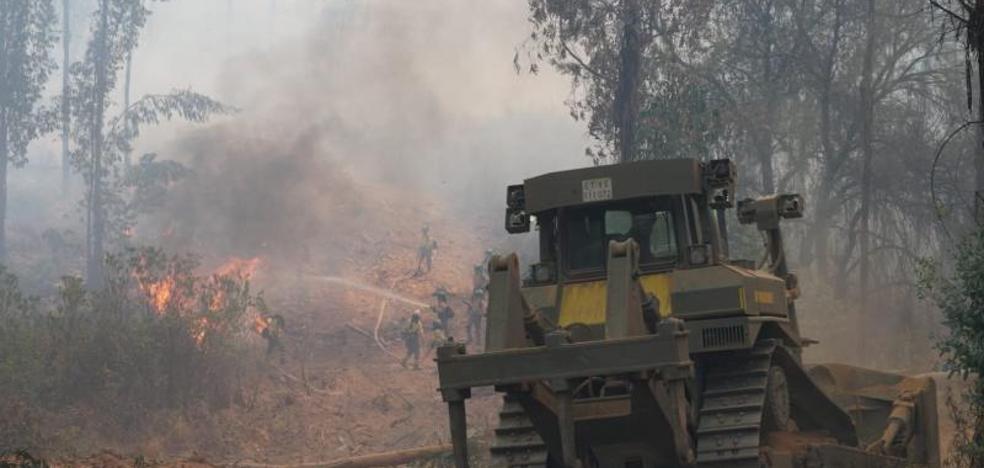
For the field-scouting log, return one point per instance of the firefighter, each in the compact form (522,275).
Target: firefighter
(475,313)
(480,276)
(272,333)
(443,310)
(425,252)
(438,337)
(412,335)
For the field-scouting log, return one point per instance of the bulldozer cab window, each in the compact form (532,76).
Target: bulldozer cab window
(587,232)
(662,238)
(585,241)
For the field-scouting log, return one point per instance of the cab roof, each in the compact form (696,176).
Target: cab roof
(612,183)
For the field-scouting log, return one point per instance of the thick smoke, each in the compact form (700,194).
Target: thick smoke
(383,95)
(254,194)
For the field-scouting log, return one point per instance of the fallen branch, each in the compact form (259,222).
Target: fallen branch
(398,457)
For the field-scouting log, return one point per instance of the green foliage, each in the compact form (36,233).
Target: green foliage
(131,191)
(26,37)
(157,336)
(141,188)
(585,40)
(153,109)
(19,323)
(27,30)
(681,120)
(149,180)
(960,297)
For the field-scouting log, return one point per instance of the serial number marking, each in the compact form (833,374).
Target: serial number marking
(596,189)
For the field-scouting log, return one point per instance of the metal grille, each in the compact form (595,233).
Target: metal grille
(720,337)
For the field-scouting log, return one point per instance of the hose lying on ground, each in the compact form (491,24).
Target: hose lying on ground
(397,457)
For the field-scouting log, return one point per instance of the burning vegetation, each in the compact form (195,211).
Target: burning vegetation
(215,302)
(160,335)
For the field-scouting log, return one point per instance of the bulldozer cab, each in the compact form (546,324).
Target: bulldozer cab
(577,238)
(662,205)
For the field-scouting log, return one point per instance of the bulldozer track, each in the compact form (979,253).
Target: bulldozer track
(729,430)
(517,444)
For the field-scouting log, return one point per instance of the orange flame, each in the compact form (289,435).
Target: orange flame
(218,301)
(261,323)
(200,331)
(159,293)
(241,266)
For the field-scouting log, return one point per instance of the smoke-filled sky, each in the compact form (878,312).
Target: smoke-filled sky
(411,91)
(416,94)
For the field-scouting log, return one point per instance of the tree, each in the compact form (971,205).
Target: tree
(137,189)
(65,107)
(823,32)
(960,297)
(126,95)
(100,146)
(609,49)
(757,52)
(26,38)
(867,101)
(115,27)
(967,18)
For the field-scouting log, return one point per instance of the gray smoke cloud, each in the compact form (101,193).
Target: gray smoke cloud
(414,96)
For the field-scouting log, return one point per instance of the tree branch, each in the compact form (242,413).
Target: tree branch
(949,12)
(581,63)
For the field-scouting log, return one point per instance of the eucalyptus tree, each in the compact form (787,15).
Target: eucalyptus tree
(609,50)
(101,143)
(26,38)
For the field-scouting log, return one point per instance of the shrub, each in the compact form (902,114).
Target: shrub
(157,336)
(960,297)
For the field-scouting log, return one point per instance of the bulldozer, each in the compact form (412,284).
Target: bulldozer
(635,341)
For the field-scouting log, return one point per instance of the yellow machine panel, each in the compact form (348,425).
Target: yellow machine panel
(659,285)
(584,303)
